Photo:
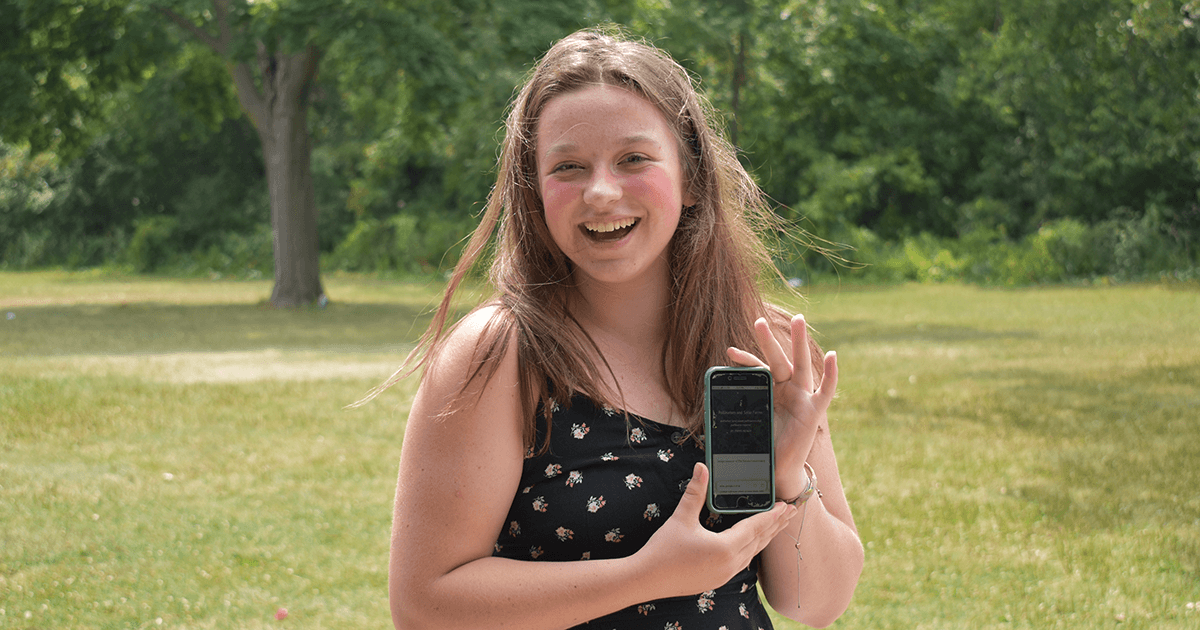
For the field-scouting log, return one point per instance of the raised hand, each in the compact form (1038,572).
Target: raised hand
(801,403)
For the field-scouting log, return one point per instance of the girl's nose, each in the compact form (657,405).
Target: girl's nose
(602,189)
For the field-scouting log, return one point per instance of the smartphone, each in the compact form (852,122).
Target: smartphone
(739,439)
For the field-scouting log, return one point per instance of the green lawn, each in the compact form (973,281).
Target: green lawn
(173,454)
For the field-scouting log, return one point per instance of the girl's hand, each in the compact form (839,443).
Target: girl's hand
(690,559)
(801,403)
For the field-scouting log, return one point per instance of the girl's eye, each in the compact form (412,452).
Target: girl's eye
(564,167)
(635,159)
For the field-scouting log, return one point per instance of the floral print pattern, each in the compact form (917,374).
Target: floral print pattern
(606,483)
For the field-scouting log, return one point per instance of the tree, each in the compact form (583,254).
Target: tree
(64,57)
(276,100)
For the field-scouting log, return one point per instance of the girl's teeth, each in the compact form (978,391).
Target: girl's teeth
(610,226)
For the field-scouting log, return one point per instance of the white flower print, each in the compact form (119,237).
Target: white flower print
(609,411)
(705,602)
(595,503)
(645,609)
(579,430)
(587,555)
(745,587)
(712,520)
(609,457)
(540,504)
(526,489)
(554,406)
(613,535)
(652,512)
(553,470)
(665,454)
(574,477)
(742,611)
(564,534)
(536,552)
(633,481)
(637,435)
(673,625)
(514,529)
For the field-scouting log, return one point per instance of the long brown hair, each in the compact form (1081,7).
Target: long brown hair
(716,255)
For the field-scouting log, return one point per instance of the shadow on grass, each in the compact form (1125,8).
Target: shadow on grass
(1123,448)
(847,331)
(156,328)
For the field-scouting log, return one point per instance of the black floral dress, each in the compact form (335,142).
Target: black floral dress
(600,491)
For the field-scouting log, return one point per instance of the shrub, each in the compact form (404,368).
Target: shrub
(153,243)
(402,242)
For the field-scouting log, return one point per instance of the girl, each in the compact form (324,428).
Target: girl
(551,474)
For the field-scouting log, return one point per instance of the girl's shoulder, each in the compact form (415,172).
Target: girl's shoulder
(479,325)
(482,343)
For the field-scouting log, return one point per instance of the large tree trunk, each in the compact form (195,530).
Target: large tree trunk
(280,114)
(277,104)
(287,151)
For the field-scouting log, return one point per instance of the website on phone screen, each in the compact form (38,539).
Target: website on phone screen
(741,417)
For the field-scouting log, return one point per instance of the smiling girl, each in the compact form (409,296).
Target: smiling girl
(551,474)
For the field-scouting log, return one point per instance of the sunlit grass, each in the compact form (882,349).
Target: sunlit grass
(1020,458)
(173,450)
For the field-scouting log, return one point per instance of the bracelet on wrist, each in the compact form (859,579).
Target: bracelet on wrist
(809,490)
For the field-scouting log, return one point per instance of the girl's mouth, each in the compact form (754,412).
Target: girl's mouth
(608,231)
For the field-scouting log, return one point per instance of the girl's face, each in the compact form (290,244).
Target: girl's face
(611,181)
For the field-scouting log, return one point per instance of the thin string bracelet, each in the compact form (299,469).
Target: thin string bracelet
(802,499)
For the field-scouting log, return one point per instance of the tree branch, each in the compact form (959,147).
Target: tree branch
(249,96)
(312,61)
(197,32)
(224,33)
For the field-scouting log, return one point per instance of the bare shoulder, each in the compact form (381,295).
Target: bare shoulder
(481,344)
(471,387)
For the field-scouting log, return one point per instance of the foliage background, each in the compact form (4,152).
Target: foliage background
(996,141)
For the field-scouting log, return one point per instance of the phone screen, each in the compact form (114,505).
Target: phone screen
(739,439)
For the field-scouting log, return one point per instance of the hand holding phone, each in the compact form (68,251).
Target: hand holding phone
(739,441)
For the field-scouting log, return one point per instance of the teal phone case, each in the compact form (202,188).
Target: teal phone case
(708,442)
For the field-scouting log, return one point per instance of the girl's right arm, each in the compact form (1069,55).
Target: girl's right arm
(458,476)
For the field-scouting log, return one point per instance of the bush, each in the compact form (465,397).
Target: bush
(1126,248)
(402,242)
(236,254)
(153,243)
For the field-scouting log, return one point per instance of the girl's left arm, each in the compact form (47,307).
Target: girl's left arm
(812,580)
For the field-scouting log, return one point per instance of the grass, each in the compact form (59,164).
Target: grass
(173,454)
